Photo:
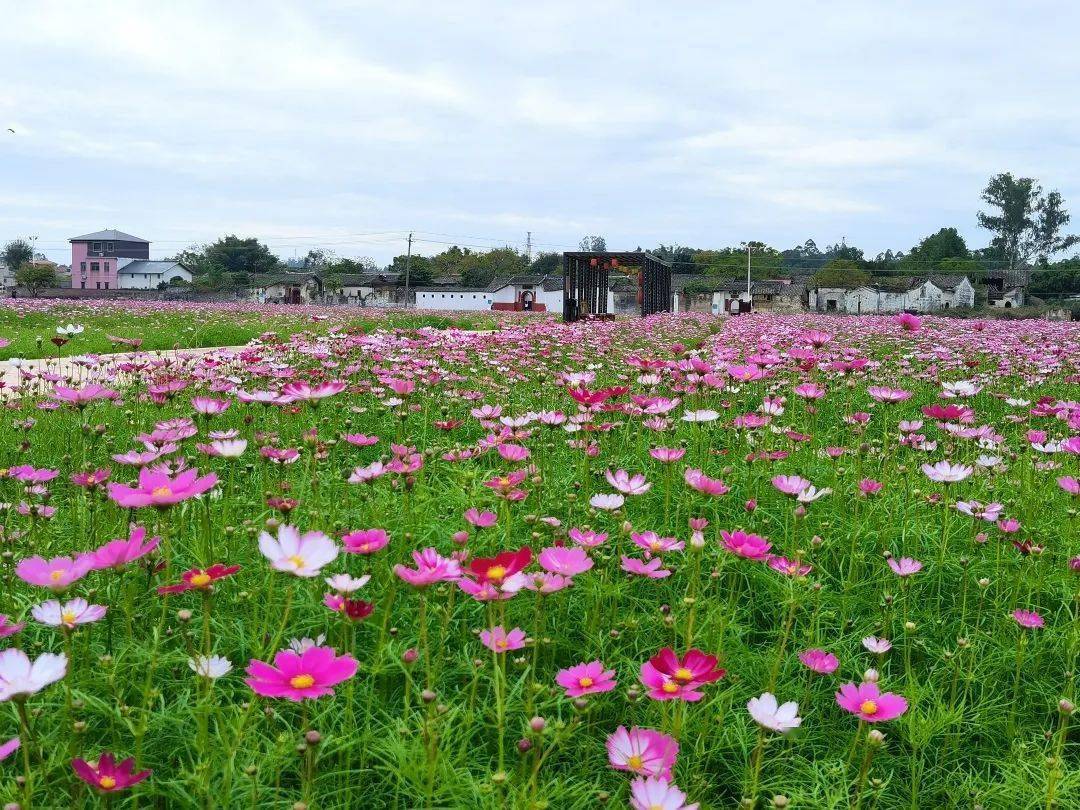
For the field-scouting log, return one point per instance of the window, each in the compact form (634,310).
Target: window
(82,266)
(105,267)
(109,247)
(106,285)
(96,247)
(84,285)
(98,285)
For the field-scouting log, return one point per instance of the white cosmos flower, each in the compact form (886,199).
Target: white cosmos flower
(703,415)
(343,583)
(21,676)
(768,714)
(212,667)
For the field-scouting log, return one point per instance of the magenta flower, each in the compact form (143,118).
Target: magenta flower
(209,406)
(642,751)
(118,553)
(750,546)
(809,390)
(159,490)
(587,537)
(819,661)
(431,567)
(1069,484)
(90,480)
(791,568)
(1029,619)
(655,544)
(365,541)
(81,397)
(498,640)
(868,486)
(667,454)
(296,677)
(481,520)
(652,569)
(11,746)
(668,677)
(697,480)
(9,628)
(55,574)
(107,775)
(586,679)
(905,566)
(563,560)
(869,703)
(302,392)
(790,484)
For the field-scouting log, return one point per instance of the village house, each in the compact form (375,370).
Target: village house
(365,289)
(114,260)
(927,294)
(286,288)
(521,293)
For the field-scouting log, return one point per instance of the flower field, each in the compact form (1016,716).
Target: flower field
(763,561)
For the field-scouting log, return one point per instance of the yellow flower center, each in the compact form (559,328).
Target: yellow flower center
(868,707)
(297,561)
(200,580)
(501,644)
(67,617)
(585,682)
(634,763)
(301,681)
(496,573)
(365,548)
(670,687)
(161,492)
(654,545)
(107,783)
(56,575)
(684,675)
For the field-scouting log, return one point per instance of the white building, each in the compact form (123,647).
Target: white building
(139,274)
(912,295)
(366,290)
(531,293)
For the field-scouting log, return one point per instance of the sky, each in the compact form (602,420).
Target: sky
(344,125)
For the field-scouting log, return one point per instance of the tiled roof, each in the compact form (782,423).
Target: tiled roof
(108,236)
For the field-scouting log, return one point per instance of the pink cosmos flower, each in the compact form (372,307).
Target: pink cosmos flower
(809,390)
(909,322)
(791,568)
(668,677)
(107,775)
(1069,484)
(544,583)
(652,569)
(869,703)
(69,614)
(8,628)
(481,520)
(768,713)
(118,553)
(586,679)
(311,674)
(498,640)
(209,406)
(626,483)
(944,472)
(55,574)
(360,439)
(905,566)
(606,502)
(81,397)
(301,391)
(655,793)
(880,646)
(91,479)
(365,541)
(750,546)
(1029,619)
(301,554)
(431,567)
(654,544)
(12,745)
(697,480)
(159,490)
(790,484)
(366,475)
(512,452)
(642,751)
(868,486)
(819,661)
(587,537)
(667,454)
(566,561)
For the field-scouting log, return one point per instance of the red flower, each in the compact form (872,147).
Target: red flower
(198,579)
(500,567)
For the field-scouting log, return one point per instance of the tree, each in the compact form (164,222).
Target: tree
(1027,223)
(230,254)
(421,269)
(17,253)
(765,262)
(547,264)
(947,243)
(593,244)
(843,273)
(36,277)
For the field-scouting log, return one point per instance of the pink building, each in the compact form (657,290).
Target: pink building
(96,258)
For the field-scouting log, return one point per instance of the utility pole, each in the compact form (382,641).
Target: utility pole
(408,261)
(528,246)
(749,295)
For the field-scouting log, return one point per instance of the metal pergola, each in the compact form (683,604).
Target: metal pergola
(586,275)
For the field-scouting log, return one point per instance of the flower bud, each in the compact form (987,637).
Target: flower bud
(875,737)
(909,627)
(524,745)
(871,676)
(312,737)
(427,696)
(750,505)
(1066,706)
(410,656)
(461,538)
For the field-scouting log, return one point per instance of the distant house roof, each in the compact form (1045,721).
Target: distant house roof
(108,236)
(368,279)
(261,282)
(155,267)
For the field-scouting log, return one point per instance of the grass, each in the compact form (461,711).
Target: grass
(983,726)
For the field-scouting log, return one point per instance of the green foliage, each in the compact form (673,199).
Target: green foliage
(229,254)
(17,253)
(36,276)
(1026,222)
(845,273)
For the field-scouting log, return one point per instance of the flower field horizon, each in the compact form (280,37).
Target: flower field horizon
(678,562)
